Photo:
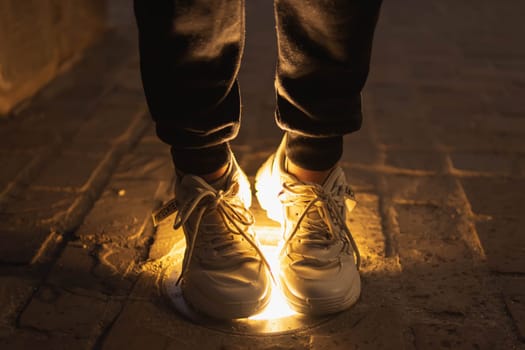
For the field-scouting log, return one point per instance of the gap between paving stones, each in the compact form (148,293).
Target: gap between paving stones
(93,188)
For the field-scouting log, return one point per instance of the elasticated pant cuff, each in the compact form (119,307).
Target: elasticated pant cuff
(314,153)
(201,161)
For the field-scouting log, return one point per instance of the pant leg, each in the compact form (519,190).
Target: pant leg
(190,53)
(324,54)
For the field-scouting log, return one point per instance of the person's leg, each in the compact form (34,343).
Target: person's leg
(190,52)
(324,52)
(324,55)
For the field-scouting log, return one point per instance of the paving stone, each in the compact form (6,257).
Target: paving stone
(112,116)
(24,339)
(516,307)
(122,212)
(393,133)
(513,288)
(500,197)
(145,166)
(33,140)
(380,328)
(453,85)
(424,189)
(485,163)
(150,144)
(443,336)
(157,322)
(475,139)
(136,189)
(434,257)
(415,160)
(504,255)
(143,320)
(67,171)
(35,208)
(116,267)
(520,165)
(76,271)
(27,221)
(146,339)
(130,79)
(512,285)
(467,101)
(498,123)
(55,310)
(11,164)
(14,292)
(361,180)
(365,225)
(362,153)
(19,246)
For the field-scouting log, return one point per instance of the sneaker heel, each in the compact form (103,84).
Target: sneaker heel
(268,187)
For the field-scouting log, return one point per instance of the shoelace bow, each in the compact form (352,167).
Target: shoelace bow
(296,192)
(232,211)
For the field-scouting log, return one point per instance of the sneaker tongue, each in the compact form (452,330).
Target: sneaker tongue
(333,179)
(223,182)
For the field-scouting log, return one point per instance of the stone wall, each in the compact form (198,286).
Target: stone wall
(41,38)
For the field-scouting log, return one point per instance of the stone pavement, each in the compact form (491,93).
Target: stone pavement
(439,171)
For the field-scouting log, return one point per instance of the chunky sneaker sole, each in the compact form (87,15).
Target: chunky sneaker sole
(310,288)
(224,274)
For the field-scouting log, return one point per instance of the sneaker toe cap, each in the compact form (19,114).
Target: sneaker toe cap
(321,290)
(227,294)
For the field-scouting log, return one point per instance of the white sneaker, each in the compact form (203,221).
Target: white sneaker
(319,273)
(224,274)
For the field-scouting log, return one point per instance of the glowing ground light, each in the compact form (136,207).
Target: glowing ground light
(278,307)
(277,317)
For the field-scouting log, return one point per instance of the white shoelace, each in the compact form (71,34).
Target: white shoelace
(233,214)
(309,195)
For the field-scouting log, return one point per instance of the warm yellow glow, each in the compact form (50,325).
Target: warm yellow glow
(268,188)
(244,190)
(278,307)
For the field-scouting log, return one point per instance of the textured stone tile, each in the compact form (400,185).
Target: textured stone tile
(67,171)
(365,225)
(435,257)
(501,197)
(430,189)
(19,246)
(123,211)
(112,116)
(80,270)
(11,164)
(359,152)
(484,162)
(145,166)
(35,208)
(55,310)
(415,160)
(27,221)
(516,307)
(14,292)
(24,339)
(443,336)
(380,328)
(504,243)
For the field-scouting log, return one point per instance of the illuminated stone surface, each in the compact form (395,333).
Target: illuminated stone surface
(437,168)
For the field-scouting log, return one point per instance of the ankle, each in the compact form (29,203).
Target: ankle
(217,174)
(306,175)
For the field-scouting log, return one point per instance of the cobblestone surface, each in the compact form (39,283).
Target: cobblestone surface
(438,169)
